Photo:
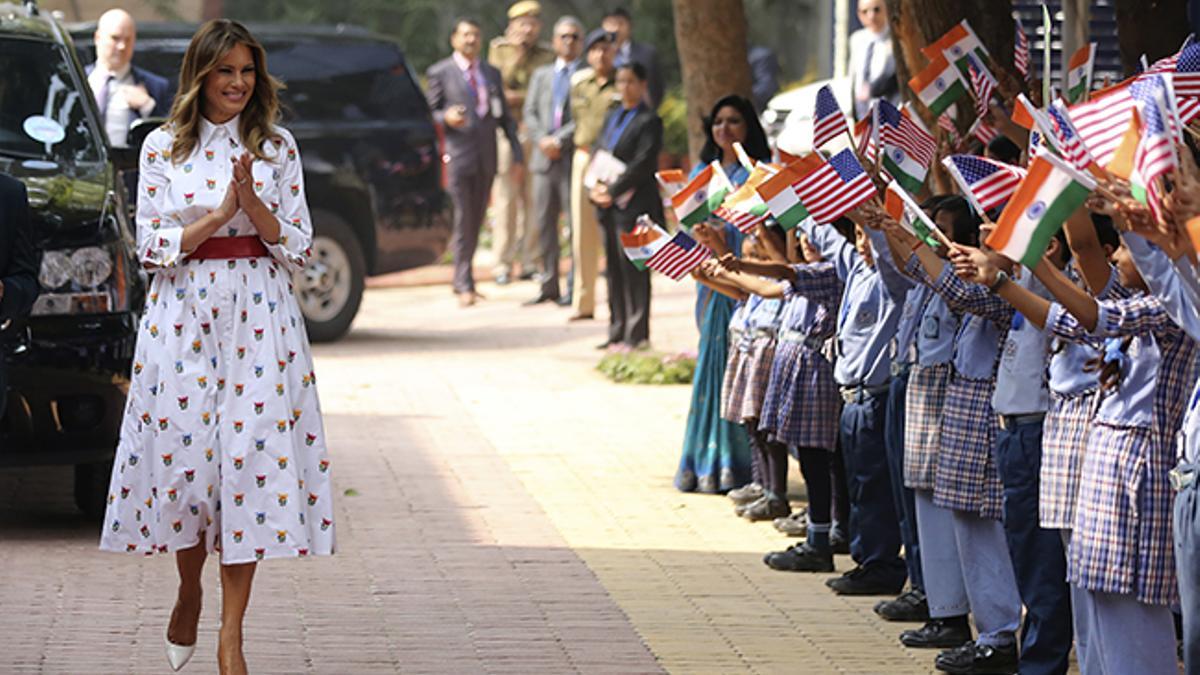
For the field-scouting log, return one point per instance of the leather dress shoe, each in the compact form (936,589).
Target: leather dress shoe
(607,343)
(977,659)
(800,558)
(527,275)
(563,301)
(865,581)
(541,298)
(910,606)
(951,631)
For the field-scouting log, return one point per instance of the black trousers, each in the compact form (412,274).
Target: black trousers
(628,287)
(551,199)
(470,194)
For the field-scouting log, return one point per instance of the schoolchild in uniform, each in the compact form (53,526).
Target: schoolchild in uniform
(801,404)
(966,481)
(866,320)
(1120,550)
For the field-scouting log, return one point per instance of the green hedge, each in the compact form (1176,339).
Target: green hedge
(642,367)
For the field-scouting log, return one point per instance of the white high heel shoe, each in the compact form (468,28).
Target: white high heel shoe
(179,655)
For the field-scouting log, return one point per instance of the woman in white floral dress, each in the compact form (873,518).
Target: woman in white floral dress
(222,447)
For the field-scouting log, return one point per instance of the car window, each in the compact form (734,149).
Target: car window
(42,116)
(345,81)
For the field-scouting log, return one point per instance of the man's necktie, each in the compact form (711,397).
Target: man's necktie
(866,71)
(102,99)
(560,89)
(481,103)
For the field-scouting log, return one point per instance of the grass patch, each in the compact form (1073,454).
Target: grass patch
(646,367)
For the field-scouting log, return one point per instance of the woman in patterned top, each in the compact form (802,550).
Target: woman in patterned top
(222,446)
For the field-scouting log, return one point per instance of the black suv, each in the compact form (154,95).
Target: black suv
(69,367)
(372,168)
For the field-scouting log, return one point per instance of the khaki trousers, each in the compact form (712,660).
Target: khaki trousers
(585,239)
(514,231)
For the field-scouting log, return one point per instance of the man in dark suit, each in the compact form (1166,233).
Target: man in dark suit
(124,92)
(620,23)
(548,121)
(466,98)
(633,133)
(19,263)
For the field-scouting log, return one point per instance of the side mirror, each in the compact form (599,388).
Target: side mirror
(140,129)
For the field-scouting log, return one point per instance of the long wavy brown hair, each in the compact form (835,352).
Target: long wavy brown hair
(257,121)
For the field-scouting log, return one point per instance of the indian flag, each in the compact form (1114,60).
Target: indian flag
(955,45)
(781,199)
(704,193)
(743,208)
(642,243)
(1079,73)
(911,217)
(903,167)
(670,181)
(1050,193)
(938,86)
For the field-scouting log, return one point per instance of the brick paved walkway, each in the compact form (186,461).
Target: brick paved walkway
(511,511)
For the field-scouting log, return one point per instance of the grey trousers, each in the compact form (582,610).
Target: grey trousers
(551,199)
(470,194)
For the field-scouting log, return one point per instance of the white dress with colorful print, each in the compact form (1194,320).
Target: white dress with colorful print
(222,431)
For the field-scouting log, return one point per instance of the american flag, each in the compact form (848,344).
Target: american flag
(945,122)
(828,120)
(1187,73)
(1102,121)
(1155,153)
(1021,49)
(983,131)
(865,131)
(987,182)
(1066,139)
(982,83)
(834,188)
(901,130)
(1163,65)
(679,256)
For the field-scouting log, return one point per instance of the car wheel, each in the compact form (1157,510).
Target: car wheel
(91,488)
(330,287)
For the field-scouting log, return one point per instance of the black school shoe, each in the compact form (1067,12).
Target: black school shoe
(865,581)
(800,558)
(951,631)
(910,606)
(977,659)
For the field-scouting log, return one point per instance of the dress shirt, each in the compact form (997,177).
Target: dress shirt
(985,319)
(810,302)
(869,310)
(117,113)
(904,348)
(1021,379)
(1068,358)
(470,70)
(939,324)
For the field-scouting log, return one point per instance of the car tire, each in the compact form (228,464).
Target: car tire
(91,488)
(330,287)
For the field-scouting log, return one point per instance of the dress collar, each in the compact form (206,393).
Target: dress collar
(208,130)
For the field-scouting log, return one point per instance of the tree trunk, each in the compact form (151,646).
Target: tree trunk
(1155,28)
(916,23)
(711,39)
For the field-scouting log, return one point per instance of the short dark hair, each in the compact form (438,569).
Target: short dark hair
(844,227)
(1105,231)
(964,228)
(460,20)
(619,13)
(1063,246)
(638,70)
(1004,150)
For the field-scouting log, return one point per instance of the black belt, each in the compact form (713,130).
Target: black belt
(1008,422)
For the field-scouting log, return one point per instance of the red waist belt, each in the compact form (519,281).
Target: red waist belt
(224,248)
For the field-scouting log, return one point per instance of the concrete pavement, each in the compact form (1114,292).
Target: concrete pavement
(503,508)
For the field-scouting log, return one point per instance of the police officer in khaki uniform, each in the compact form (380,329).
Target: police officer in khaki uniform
(593,94)
(516,55)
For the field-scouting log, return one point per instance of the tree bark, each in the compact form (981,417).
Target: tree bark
(711,39)
(916,23)
(1155,28)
